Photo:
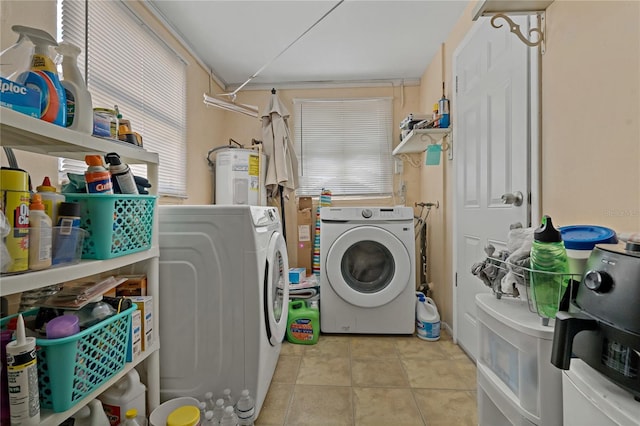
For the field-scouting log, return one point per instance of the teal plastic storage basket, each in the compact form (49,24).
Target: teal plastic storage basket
(117,224)
(72,367)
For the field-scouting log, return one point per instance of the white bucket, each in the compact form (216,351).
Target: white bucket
(240,175)
(159,416)
(427,318)
(127,393)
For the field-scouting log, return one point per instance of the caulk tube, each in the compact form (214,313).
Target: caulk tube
(22,375)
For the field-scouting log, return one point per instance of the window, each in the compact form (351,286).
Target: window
(126,64)
(345,146)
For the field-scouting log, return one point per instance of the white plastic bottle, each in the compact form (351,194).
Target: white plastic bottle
(22,374)
(218,410)
(228,399)
(79,107)
(208,398)
(245,409)
(209,420)
(91,414)
(229,418)
(130,416)
(50,198)
(121,176)
(40,240)
(427,318)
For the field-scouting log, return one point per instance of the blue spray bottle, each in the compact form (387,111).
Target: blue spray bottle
(43,76)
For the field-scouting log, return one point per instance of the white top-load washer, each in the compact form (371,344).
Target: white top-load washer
(367,270)
(223,294)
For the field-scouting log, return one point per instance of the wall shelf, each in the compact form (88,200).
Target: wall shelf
(418,140)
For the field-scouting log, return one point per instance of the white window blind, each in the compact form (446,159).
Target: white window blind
(127,65)
(345,146)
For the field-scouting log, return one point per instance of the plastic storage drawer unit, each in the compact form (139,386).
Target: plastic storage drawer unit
(513,354)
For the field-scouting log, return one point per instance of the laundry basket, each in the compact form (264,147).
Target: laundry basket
(117,224)
(72,367)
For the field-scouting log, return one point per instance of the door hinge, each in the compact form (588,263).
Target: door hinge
(456,280)
(456,84)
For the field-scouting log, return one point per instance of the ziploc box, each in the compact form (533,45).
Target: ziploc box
(19,98)
(135,336)
(297,275)
(145,306)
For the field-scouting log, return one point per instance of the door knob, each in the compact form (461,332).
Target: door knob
(515,198)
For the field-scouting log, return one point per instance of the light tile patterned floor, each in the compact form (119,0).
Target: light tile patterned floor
(362,380)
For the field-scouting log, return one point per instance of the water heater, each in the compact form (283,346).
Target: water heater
(240,175)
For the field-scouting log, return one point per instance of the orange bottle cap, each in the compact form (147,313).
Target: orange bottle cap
(36,202)
(93,160)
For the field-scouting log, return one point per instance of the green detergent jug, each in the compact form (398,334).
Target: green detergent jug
(303,324)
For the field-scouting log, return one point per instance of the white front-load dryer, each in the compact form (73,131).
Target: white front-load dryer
(367,270)
(224,290)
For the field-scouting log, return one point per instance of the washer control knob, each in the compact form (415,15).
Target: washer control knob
(367,213)
(598,281)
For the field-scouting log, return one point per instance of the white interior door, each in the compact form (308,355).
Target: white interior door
(492,156)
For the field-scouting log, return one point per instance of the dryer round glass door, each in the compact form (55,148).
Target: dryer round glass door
(276,289)
(368,266)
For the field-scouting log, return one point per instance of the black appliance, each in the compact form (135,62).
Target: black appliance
(602,325)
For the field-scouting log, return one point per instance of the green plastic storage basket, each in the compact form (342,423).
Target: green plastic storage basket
(72,367)
(117,224)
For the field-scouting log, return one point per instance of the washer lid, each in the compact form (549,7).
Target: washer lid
(368,266)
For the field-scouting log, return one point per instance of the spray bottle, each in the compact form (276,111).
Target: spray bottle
(121,176)
(78,98)
(43,76)
(22,374)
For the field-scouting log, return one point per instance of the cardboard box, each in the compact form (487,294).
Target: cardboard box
(135,336)
(297,275)
(305,234)
(145,306)
(135,285)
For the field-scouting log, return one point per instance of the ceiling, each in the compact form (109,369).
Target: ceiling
(360,41)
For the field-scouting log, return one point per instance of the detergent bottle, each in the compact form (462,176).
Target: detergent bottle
(128,393)
(78,98)
(43,76)
(303,322)
(91,414)
(427,318)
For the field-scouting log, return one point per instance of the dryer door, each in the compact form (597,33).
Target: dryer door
(276,289)
(368,266)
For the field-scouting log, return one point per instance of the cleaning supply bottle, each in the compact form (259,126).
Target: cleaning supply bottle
(130,418)
(91,414)
(43,76)
(550,266)
(97,176)
(121,176)
(427,318)
(50,198)
(78,98)
(40,239)
(15,198)
(303,323)
(126,394)
(22,374)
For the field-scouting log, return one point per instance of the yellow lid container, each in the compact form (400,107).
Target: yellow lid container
(187,415)
(14,179)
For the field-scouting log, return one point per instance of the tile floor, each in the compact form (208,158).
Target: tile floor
(366,380)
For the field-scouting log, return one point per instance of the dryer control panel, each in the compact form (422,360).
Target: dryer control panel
(366,214)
